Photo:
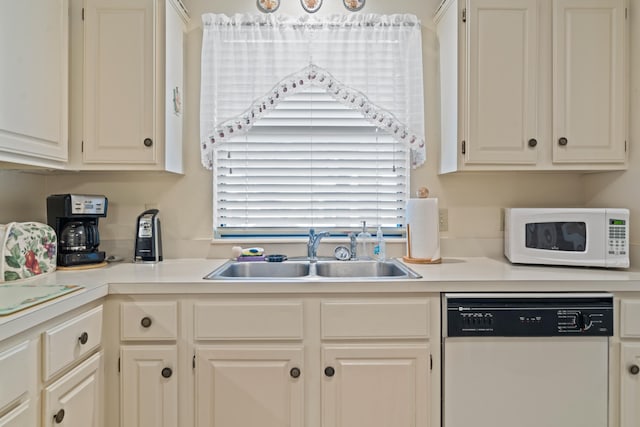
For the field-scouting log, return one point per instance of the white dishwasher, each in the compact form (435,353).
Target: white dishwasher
(526,360)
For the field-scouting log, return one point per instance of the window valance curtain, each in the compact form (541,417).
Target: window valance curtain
(246,60)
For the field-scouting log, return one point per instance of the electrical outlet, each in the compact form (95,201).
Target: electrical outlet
(443,219)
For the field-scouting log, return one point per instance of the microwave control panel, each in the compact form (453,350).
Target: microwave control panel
(617,237)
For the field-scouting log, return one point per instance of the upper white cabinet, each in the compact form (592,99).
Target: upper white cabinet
(133,85)
(34,82)
(533,84)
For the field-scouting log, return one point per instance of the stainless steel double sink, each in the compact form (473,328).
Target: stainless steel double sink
(305,269)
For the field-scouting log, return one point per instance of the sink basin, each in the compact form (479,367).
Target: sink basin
(307,270)
(388,268)
(258,269)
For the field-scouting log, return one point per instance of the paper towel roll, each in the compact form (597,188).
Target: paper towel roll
(424,233)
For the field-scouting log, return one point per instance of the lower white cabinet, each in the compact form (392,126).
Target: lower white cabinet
(276,360)
(18,384)
(149,386)
(75,399)
(630,362)
(259,385)
(23,415)
(630,385)
(375,385)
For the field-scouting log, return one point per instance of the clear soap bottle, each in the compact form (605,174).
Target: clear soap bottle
(363,241)
(379,251)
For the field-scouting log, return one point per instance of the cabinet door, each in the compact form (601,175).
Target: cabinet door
(589,56)
(630,383)
(149,386)
(119,107)
(375,386)
(74,400)
(34,81)
(503,82)
(22,416)
(249,386)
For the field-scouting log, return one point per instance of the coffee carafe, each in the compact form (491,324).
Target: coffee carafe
(74,217)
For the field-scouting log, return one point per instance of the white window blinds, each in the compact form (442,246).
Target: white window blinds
(323,155)
(310,162)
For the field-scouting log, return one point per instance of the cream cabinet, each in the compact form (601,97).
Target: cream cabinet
(148,364)
(34,82)
(533,84)
(75,400)
(133,85)
(149,391)
(52,374)
(250,385)
(274,360)
(249,363)
(18,393)
(629,362)
(376,362)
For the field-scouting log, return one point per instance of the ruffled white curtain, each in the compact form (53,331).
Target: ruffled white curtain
(247,58)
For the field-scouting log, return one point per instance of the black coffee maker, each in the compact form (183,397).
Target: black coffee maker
(74,217)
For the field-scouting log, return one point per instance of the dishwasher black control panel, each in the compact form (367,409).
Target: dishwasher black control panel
(529,315)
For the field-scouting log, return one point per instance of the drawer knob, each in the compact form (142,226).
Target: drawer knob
(145,322)
(83,338)
(532,142)
(59,416)
(329,371)
(563,141)
(148,142)
(634,369)
(167,372)
(295,372)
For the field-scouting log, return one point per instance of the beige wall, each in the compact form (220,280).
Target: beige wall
(474,201)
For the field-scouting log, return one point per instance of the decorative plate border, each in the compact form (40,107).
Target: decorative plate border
(311,6)
(268,6)
(353,5)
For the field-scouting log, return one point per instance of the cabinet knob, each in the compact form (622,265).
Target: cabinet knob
(634,369)
(295,372)
(148,142)
(167,372)
(533,142)
(59,416)
(563,141)
(145,322)
(329,371)
(83,338)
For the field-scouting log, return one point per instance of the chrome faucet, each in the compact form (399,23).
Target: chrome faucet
(314,241)
(353,245)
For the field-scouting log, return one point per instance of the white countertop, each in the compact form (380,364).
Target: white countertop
(185,276)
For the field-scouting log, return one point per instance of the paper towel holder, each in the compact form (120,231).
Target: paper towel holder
(408,258)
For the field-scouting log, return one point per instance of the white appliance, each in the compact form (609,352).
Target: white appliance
(567,236)
(526,360)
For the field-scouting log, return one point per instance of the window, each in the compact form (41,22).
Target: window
(310,162)
(328,154)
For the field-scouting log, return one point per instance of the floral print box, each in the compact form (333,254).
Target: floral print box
(27,249)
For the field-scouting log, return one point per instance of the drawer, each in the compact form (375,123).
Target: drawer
(375,319)
(70,341)
(17,367)
(241,321)
(141,321)
(630,318)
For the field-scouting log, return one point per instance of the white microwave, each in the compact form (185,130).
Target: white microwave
(572,236)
